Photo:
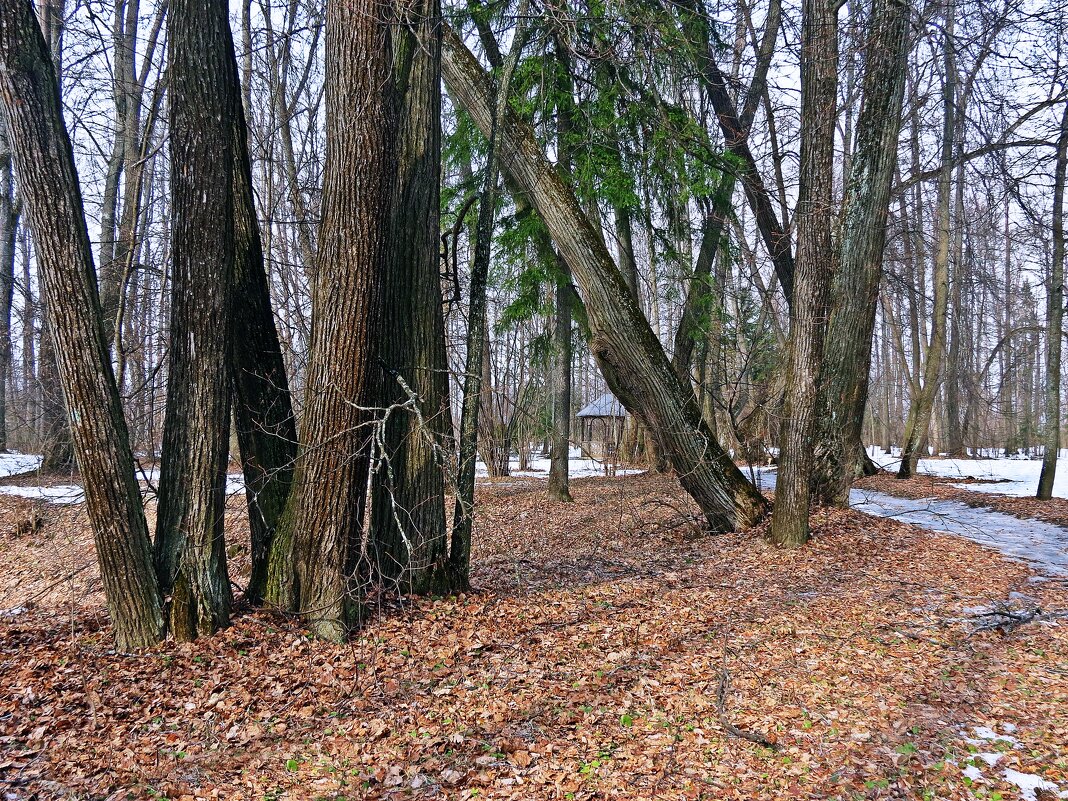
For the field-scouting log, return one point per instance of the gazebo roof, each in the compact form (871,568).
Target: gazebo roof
(607,405)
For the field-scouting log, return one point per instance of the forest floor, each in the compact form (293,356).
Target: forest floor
(611,649)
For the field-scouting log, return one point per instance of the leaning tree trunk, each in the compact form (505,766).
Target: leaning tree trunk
(409,542)
(628,353)
(316,552)
(813,271)
(1051,433)
(52,199)
(190,546)
(922,406)
(855,291)
(263,408)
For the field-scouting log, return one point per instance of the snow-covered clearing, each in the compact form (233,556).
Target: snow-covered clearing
(1015,476)
(14,463)
(577,467)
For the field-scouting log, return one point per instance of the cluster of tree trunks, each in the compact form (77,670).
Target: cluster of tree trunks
(357,501)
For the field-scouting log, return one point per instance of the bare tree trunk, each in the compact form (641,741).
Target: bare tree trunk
(477,347)
(263,408)
(855,291)
(49,185)
(814,269)
(409,534)
(316,552)
(632,361)
(736,135)
(9,222)
(190,546)
(559,489)
(922,406)
(1051,432)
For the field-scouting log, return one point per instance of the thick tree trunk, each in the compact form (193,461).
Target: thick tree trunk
(813,271)
(263,408)
(1051,432)
(855,291)
(632,361)
(49,186)
(922,406)
(409,534)
(9,220)
(316,551)
(190,547)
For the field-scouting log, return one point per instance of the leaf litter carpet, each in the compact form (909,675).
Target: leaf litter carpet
(611,649)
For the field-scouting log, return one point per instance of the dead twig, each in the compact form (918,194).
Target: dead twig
(730,728)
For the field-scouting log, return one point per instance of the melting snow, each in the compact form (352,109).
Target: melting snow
(577,467)
(984,734)
(1030,784)
(972,773)
(1042,544)
(62,494)
(15,463)
(1015,476)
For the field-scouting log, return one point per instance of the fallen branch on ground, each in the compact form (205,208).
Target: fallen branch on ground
(730,728)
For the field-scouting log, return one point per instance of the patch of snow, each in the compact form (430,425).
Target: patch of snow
(1041,544)
(14,463)
(990,759)
(577,467)
(66,494)
(62,494)
(1017,476)
(1030,784)
(986,734)
(973,773)
(14,611)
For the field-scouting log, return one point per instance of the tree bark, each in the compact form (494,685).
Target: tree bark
(855,291)
(559,488)
(190,546)
(49,185)
(9,221)
(316,552)
(263,407)
(1051,431)
(632,361)
(409,534)
(559,484)
(813,271)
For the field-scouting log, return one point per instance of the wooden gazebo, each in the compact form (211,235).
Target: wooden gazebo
(601,423)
